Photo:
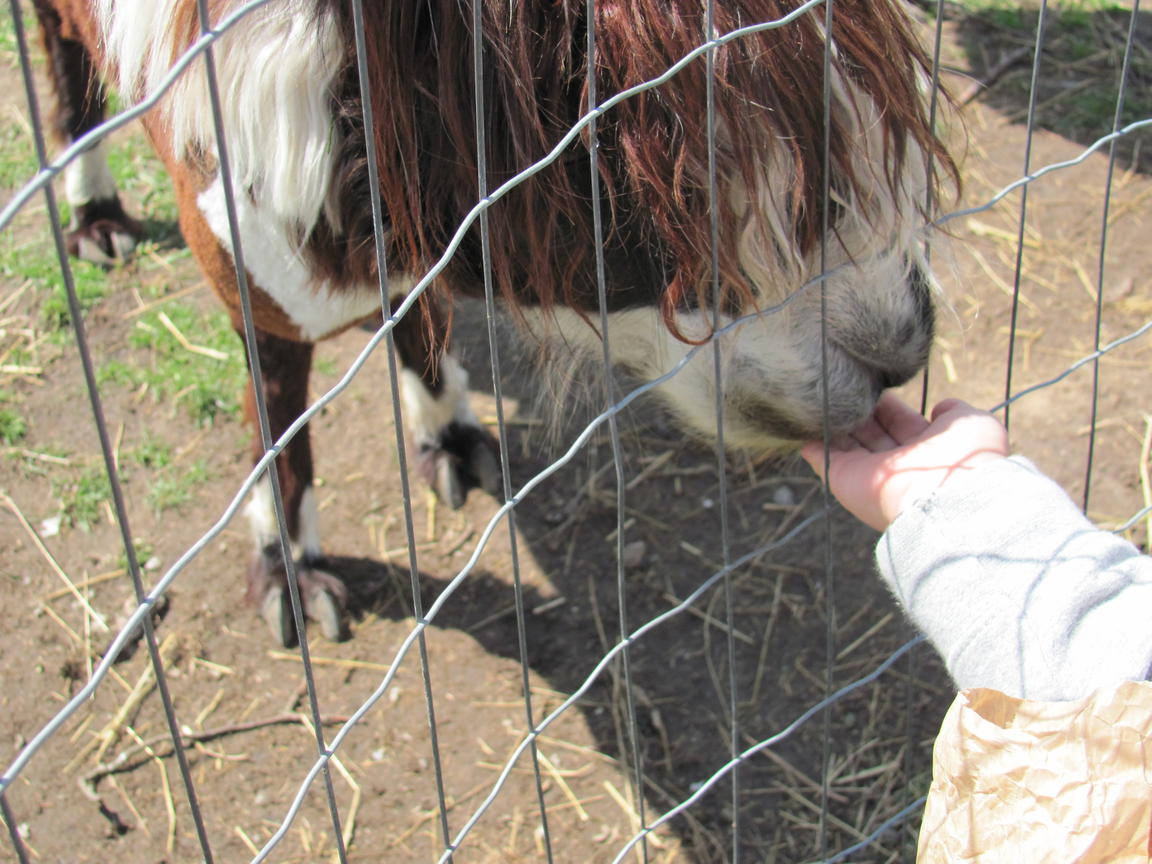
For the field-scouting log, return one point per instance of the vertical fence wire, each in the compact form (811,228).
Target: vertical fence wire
(107,449)
(825,419)
(263,424)
(624,675)
(721,449)
(1121,89)
(481,126)
(1014,318)
(911,669)
(390,317)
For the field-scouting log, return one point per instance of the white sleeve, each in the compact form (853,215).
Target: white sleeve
(1017,590)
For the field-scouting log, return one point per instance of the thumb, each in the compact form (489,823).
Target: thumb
(813,454)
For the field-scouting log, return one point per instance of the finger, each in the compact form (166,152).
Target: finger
(873,437)
(946,406)
(813,454)
(899,421)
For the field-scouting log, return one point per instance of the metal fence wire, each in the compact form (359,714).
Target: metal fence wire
(642,650)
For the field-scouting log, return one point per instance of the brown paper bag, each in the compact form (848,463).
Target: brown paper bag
(1042,782)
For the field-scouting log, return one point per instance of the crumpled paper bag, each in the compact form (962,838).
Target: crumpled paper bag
(1042,782)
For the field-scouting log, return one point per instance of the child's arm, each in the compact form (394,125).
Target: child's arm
(991,559)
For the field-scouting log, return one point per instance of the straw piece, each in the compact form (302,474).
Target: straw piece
(52,562)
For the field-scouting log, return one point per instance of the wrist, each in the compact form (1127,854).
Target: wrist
(924,484)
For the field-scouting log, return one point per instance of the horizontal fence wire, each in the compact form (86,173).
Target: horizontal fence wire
(628,636)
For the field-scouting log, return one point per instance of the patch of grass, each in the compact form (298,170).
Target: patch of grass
(204,386)
(170,484)
(174,485)
(8,36)
(152,454)
(13,427)
(1078,85)
(144,551)
(81,495)
(141,176)
(18,162)
(37,262)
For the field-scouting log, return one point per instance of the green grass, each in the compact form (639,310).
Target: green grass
(81,495)
(174,485)
(170,483)
(203,386)
(1079,76)
(13,427)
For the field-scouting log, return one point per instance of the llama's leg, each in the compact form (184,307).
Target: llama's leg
(100,230)
(284,371)
(453,452)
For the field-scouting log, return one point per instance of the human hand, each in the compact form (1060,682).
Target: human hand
(897,456)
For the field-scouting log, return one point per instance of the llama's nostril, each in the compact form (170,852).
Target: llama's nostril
(895,377)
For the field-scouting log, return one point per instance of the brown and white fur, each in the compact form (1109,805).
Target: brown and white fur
(296,141)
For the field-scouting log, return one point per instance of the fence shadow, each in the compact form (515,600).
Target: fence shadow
(680,670)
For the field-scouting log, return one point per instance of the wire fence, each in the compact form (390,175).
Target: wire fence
(701,791)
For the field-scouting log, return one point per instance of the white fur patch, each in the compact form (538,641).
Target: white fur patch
(426,415)
(261,513)
(281,272)
(87,177)
(275,69)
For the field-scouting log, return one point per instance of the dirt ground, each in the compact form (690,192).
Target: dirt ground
(107,787)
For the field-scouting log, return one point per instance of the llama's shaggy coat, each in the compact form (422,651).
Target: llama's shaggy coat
(296,143)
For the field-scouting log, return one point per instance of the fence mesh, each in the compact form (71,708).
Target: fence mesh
(641,651)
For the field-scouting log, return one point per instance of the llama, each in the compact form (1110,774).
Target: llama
(296,140)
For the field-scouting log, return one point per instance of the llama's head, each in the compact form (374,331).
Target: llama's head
(823,187)
(824,294)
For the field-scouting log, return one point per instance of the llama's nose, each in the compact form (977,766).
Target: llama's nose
(893,341)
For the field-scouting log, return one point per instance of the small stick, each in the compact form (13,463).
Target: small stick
(55,565)
(576,748)
(246,840)
(428,815)
(652,467)
(993,75)
(839,823)
(330,661)
(212,705)
(130,805)
(581,813)
(183,340)
(189,737)
(146,307)
(39,457)
(868,634)
(490,619)
(63,625)
(111,731)
(169,802)
(761,663)
(796,773)
(86,583)
(624,804)
(349,832)
(709,619)
(13,297)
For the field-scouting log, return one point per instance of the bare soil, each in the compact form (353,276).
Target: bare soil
(106,789)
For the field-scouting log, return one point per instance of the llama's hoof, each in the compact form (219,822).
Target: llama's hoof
(102,233)
(323,608)
(276,610)
(322,595)
(465,458)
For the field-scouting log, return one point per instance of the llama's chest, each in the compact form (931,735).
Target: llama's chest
(277,266)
